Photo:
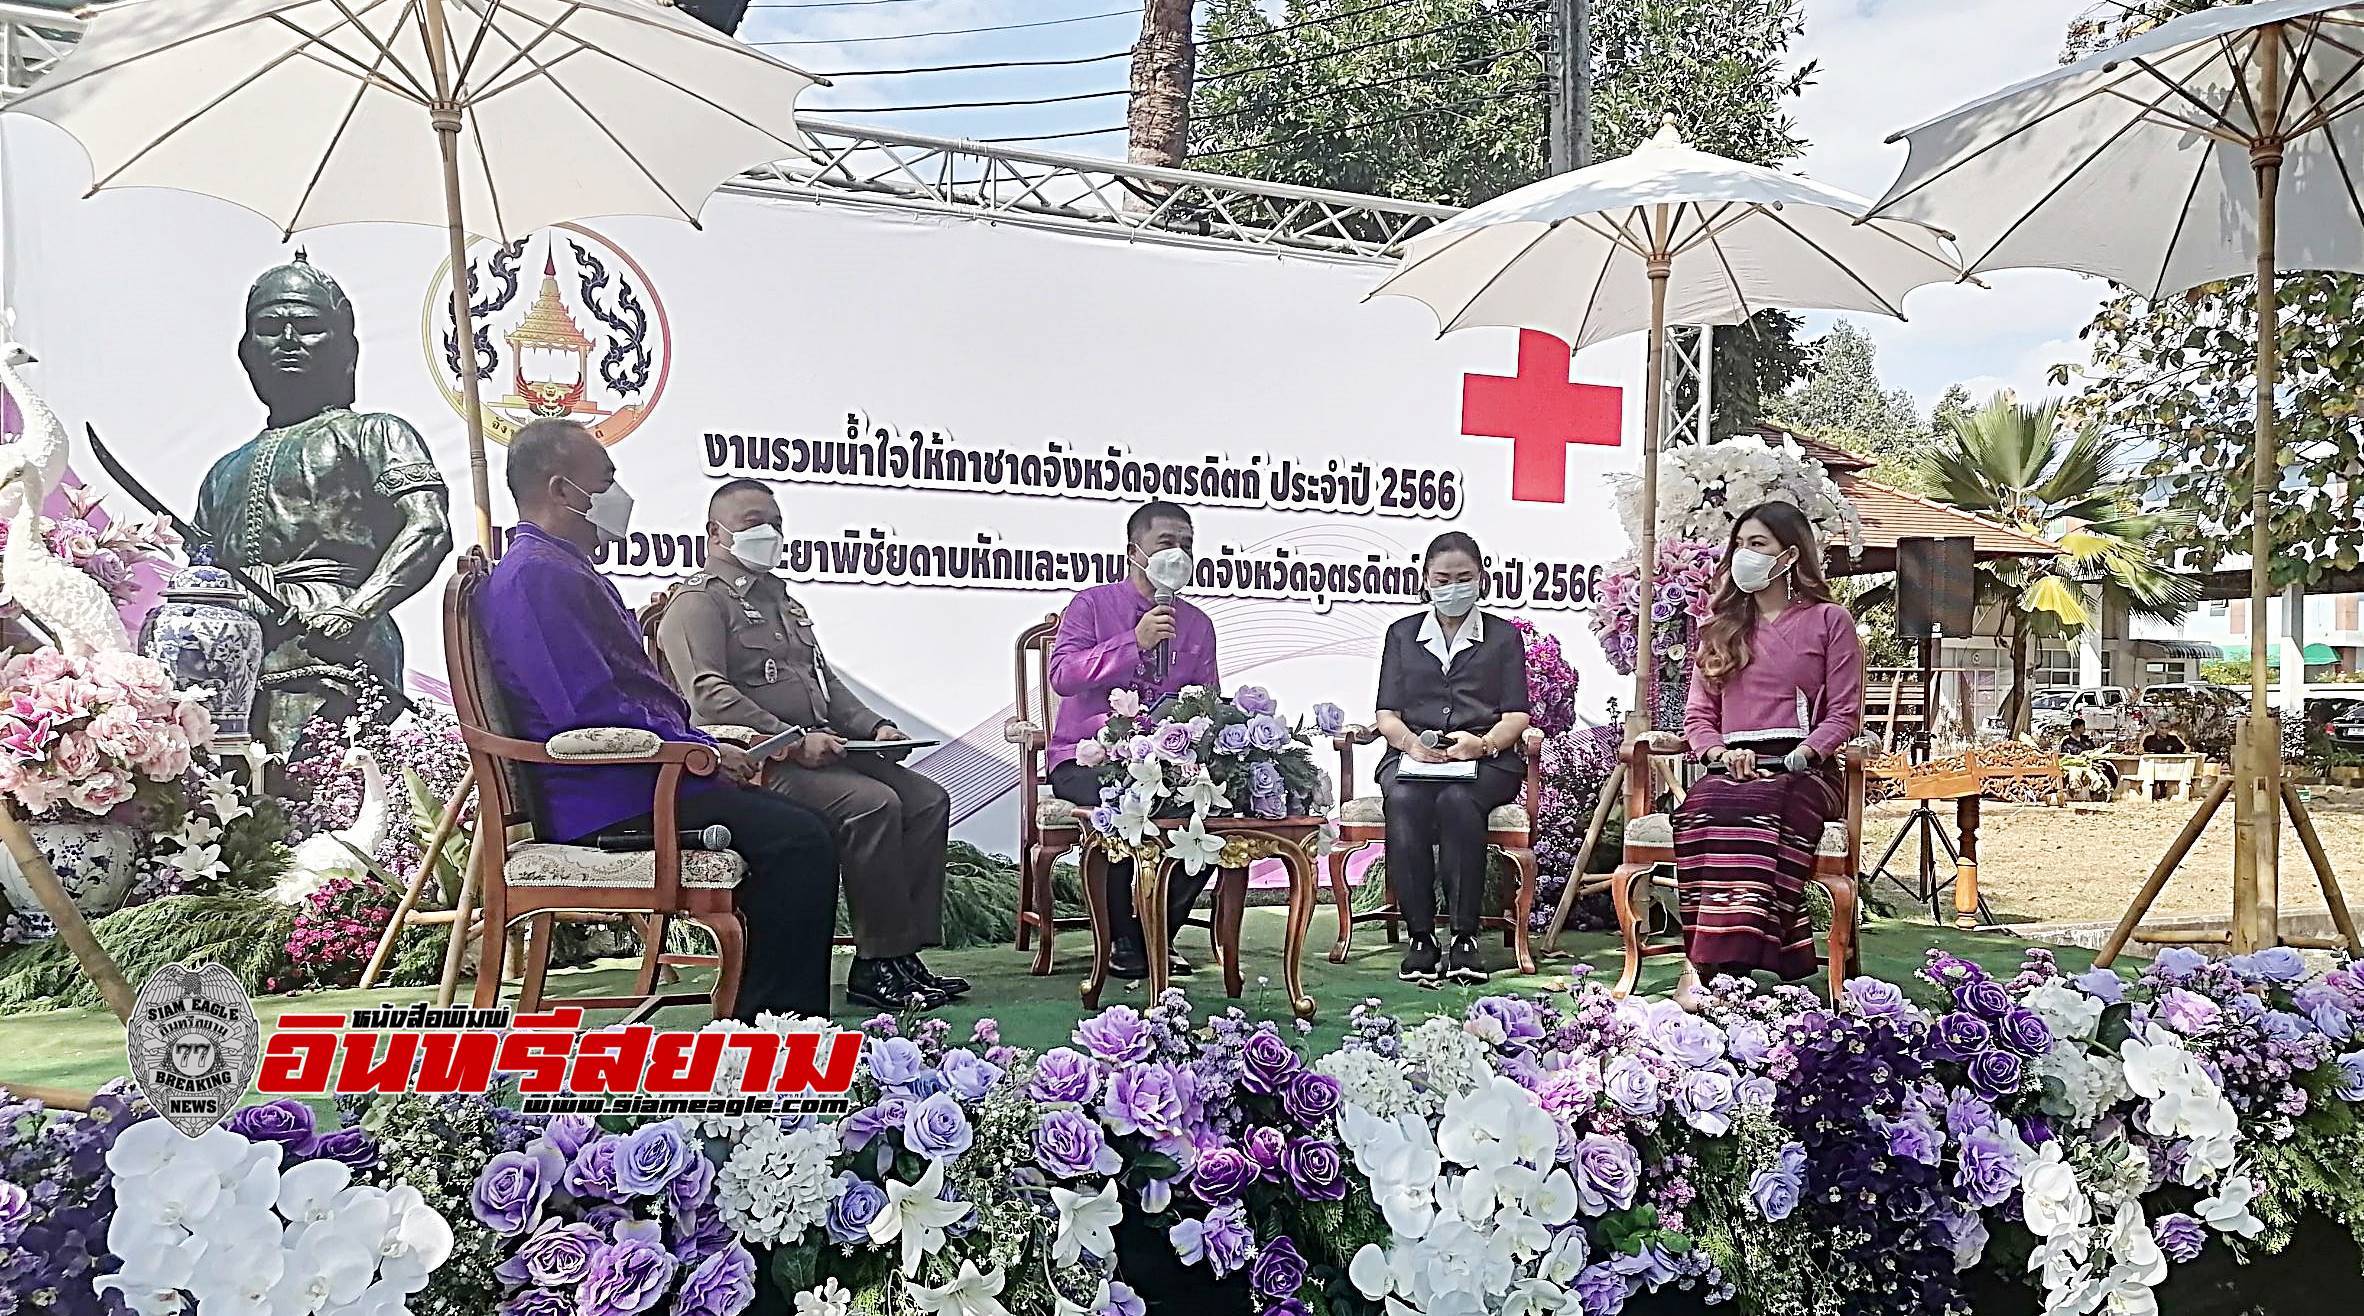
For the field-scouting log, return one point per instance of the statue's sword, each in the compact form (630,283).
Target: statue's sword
(281,613)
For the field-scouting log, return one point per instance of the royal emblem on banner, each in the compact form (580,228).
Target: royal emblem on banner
(193,1043)
(567,325)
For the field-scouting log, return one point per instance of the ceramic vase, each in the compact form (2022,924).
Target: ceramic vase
(202,637)
(95,862)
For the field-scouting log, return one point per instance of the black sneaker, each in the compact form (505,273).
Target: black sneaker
(1461,962)
(1419,963)
(882,985)
(914,967)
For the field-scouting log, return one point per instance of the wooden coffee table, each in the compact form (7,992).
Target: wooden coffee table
(1296,842)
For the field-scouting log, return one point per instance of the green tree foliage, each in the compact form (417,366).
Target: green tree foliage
(1443,101)
(2174,378)
(1841,401)
(2021,466)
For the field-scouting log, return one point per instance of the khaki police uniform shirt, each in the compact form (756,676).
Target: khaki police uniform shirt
(745,655)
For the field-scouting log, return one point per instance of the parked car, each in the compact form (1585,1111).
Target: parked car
(2347,729)
(2107,709)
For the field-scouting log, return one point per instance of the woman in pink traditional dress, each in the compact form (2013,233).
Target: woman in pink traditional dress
(1776,691)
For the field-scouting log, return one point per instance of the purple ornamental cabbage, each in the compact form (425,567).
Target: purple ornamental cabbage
(722,1285)
(1064,1075)
(1070,1145)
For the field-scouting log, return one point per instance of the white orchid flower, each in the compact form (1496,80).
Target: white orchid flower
(1535,1297)
(177,1177)
(2053,1202)
(416,1241)
(325,1270)
(1567,1258)
(916,1214)
(157,1260)
(253,1184)
(235,1280)
(2139,1256)
(1408,1208)
(969,1294)
(1087,1223)
(831,1299)
(1196,848)
(379,1299)
(307,1192)
(2228,1211)
(1370,1272)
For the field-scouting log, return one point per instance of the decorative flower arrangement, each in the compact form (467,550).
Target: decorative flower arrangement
(90,734)
(1551,681)
(107,554)
(1575,770)
(1703,487)
(421,755)
(1532,1156)
(1681,597)
(1206,757)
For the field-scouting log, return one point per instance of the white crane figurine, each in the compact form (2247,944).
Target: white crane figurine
(75,610)
(323,856)
(44,445)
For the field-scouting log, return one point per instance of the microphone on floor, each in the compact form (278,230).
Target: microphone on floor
(716,837)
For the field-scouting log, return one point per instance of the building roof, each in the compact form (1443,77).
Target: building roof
(1890,514)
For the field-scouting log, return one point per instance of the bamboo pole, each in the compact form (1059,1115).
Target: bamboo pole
(1592,836)
(457,950)
(2184,840)
(70,928)
(54,1098)
(444,826)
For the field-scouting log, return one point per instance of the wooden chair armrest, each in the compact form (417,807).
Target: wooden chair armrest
(1352,736)
(694,757)
(1654,744)
(733,735)
(1531,745)
(1024,734)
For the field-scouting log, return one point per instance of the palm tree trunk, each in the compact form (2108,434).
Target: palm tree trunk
(1159,114)
(2015,704)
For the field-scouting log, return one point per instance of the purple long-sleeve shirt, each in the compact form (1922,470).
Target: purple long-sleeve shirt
(1803,681)
(568,655)
(1096,655)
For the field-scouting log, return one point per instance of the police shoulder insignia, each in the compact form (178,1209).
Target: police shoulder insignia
(193,1043)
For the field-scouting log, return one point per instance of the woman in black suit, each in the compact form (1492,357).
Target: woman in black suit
(1452,701)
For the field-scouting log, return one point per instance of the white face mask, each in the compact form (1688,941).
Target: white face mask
(1454,600)
(1168,569)
(758,546)
(1753,571)
(610,511)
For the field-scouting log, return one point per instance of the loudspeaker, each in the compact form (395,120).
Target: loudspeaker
(1936,586)
(723,16)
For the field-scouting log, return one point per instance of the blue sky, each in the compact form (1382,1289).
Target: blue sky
(1887,64)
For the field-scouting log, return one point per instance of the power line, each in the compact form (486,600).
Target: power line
(1053,137)
(1353,127)
(1415,75)
(948,32)
(973,105)
(1126,53)
(824,4)
(1310,22)
(1342,50)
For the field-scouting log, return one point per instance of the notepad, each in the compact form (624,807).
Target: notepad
(1451,770)
(887,746)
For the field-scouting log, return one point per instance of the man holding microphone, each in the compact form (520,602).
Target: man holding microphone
(1134,634)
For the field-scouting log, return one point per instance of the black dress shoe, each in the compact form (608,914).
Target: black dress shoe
(883,985)
(1461,962)
(914,967)
(1128,959)
(1176,966)
(1420,962)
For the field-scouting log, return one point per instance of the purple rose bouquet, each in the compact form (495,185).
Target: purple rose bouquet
(1204,756)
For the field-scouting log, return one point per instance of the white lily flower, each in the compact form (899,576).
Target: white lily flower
(831,1299)
(1148,776)
(1195,847)
(969,1294)
(915,1214)
(1132,817)
(1204,794)
(1087,1223)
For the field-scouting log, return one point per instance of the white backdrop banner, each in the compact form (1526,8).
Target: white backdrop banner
(957,416)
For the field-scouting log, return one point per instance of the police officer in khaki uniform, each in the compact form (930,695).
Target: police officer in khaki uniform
(745,654)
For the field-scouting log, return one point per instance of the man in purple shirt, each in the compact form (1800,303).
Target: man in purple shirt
(1137,635)
(567,655)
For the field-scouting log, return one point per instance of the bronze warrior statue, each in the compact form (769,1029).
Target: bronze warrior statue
(340,514)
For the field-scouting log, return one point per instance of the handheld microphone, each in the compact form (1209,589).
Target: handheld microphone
(716,837)
(1161,658)
(1432,740)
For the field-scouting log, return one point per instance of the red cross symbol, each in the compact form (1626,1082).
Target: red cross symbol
(1541,413)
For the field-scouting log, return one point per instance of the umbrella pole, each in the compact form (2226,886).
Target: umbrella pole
(1646,543)
(2257,756)
(445,114)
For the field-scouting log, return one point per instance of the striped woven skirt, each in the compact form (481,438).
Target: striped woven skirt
(1744,852)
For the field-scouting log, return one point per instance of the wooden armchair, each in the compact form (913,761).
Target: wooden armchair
(1047,825)
(1362,822)
(526,878)
(1649,849)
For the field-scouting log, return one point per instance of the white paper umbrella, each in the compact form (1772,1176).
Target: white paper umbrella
(2225,142)
(496,117)
(1666,235)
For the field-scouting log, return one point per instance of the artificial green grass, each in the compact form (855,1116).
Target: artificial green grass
(82,1048)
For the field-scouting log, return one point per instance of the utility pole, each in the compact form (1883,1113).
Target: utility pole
(1158,115)
(1570,71)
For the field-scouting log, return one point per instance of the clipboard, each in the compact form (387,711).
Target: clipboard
(1451,770)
